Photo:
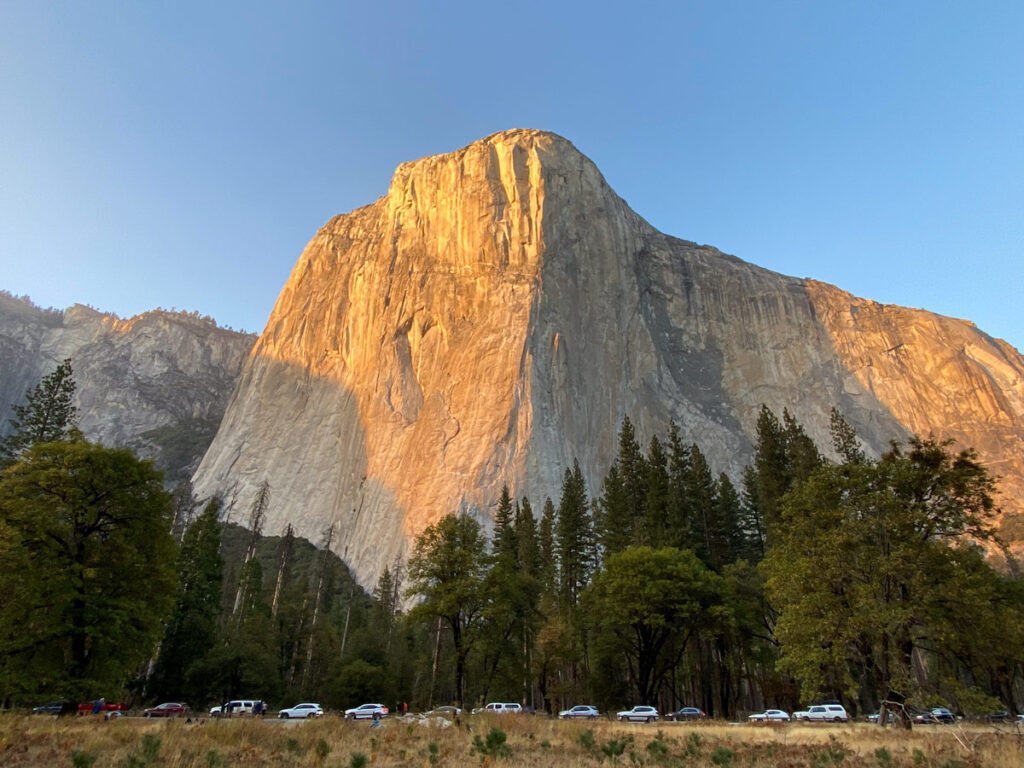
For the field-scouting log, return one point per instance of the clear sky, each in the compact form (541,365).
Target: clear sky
(181,154)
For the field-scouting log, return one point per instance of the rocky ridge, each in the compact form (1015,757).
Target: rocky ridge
(157,382)
(498,313)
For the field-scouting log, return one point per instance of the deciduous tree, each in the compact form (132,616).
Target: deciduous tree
(447,571)
(874,568)
(86,568)
(648,601)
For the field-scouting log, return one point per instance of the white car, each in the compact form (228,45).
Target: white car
(639,714)
(300,711)
(581,711)
(832,713)
(769,716)
(366,712)
(235,707)
(504,708)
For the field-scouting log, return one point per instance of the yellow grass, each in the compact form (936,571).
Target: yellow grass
(537,742)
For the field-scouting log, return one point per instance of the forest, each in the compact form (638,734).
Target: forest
(826,574)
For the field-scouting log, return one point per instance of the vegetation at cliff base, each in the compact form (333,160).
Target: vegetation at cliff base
(824,573)
(86,555)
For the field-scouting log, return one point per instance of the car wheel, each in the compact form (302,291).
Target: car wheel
(283,715)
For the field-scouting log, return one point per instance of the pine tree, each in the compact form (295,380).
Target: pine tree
(658,498)
(700,493)
(783,455)
(615,523)
(803,455)
(844,439)
(192,630)
(633,470)
(504,544)
(678,533)
(574,537)
(48,414)
(526,538)
(548,565)
(731,543)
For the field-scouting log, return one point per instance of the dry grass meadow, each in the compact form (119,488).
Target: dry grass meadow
(537,742)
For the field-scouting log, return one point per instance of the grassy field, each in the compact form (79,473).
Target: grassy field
(538,742)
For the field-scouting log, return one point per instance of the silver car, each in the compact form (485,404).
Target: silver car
(366,712)
(639,715)
(770,716)
(580,712)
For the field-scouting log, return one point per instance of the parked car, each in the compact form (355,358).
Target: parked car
(300,711)
(580,712)
(769,716)
(236,707)
(504,708)
(935,715)
(686,713)
(104,706)
(50,708)
(366,712)
(1003,716)
(168,709)
(639,714)
(833,713)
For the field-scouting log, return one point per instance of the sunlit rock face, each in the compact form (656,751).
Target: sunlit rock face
(936,375)
(157,383)
(497,314)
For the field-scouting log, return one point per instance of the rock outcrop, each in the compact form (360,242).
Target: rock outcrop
(157,383)
(499,312)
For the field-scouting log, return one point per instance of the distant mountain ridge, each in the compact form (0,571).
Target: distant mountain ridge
(157,382)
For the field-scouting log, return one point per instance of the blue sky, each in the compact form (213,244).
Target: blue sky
(182,154)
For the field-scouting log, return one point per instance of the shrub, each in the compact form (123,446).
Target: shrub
(614,748)
(722,756)
(493,746)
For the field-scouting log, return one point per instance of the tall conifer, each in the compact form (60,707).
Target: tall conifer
(48,414)
(574,537)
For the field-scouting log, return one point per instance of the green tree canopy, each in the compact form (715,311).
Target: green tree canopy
(875,568)
(648,602)
(86,568)
(192,631)
(447,571)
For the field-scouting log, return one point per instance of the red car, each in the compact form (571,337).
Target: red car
(105,706)
(167,709)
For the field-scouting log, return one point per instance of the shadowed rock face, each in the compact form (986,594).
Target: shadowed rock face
(157,383)
(500,311)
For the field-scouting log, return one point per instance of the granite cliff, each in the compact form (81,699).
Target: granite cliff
(499,312)
(157,383)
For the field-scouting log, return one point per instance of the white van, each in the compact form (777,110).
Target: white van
(503,708)
(235,707)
